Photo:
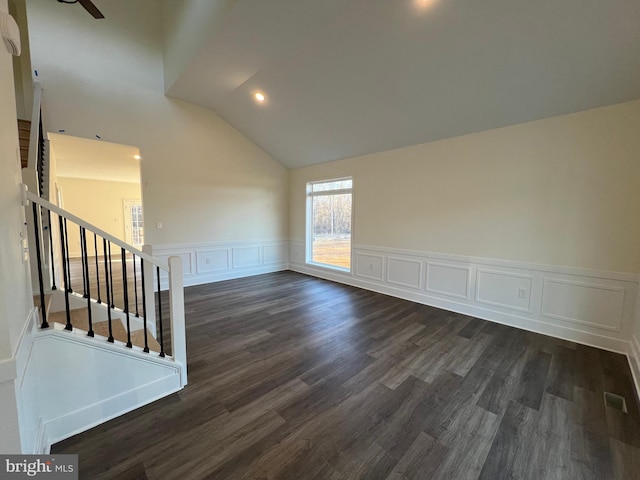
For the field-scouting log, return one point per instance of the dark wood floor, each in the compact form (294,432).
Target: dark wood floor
(296,377)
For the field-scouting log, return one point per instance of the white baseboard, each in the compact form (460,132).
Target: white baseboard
(216,261)
(583,306)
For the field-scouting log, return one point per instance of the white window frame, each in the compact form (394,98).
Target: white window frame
(127,203)
(309,220)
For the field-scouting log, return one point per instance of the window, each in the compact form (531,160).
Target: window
(329,223)
(133,223)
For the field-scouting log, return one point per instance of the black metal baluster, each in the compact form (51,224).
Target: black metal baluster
(85,260)
(66,243)
(111,277)
(95,245)
(65,272)
(160,314)
(126,294)
(53,268)
(106,279)
(144,307)
(135,284)
(83,256)
(36,229)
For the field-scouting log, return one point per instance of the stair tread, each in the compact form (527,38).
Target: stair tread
(80,321)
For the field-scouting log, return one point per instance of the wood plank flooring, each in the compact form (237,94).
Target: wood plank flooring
(296,377)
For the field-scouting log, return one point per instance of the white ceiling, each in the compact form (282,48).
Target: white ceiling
(95,160)
(350,77)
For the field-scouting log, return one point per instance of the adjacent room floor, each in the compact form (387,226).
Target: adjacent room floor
(296,377)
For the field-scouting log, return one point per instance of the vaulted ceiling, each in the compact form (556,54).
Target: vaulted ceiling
(349,77)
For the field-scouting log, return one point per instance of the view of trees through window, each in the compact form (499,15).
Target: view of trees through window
(330,210)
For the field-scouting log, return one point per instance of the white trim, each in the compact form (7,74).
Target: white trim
(358,273)
(567,270)
(194,254)
(32,159)
(419,263)
(580,284)
(309,226)
(467,269)
(478,299)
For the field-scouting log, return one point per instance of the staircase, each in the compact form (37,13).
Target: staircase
(108,335)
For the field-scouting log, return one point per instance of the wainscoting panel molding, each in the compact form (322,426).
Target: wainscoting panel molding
(450,280)
(585,306)
(369,266)
(503,289)
(246,257)
(404,272)
(212,262)
(274,253)
(583,303)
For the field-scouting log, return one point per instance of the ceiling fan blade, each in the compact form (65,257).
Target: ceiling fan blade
(91,8)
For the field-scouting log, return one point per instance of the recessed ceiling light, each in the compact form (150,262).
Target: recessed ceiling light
(137,157)
(259,96)
(423,4)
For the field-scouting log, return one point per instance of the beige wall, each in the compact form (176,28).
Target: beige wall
(201,178)
(561,191)
(99,202)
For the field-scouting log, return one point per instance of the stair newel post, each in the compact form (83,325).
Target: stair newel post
(162,354)
(176,309)
(95,246)
(53,268)
(66,246)
(37,226)
(65,272)
(106,279)
(126,295)
(85,262)
(144,307)
(135,284)
(111,277)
